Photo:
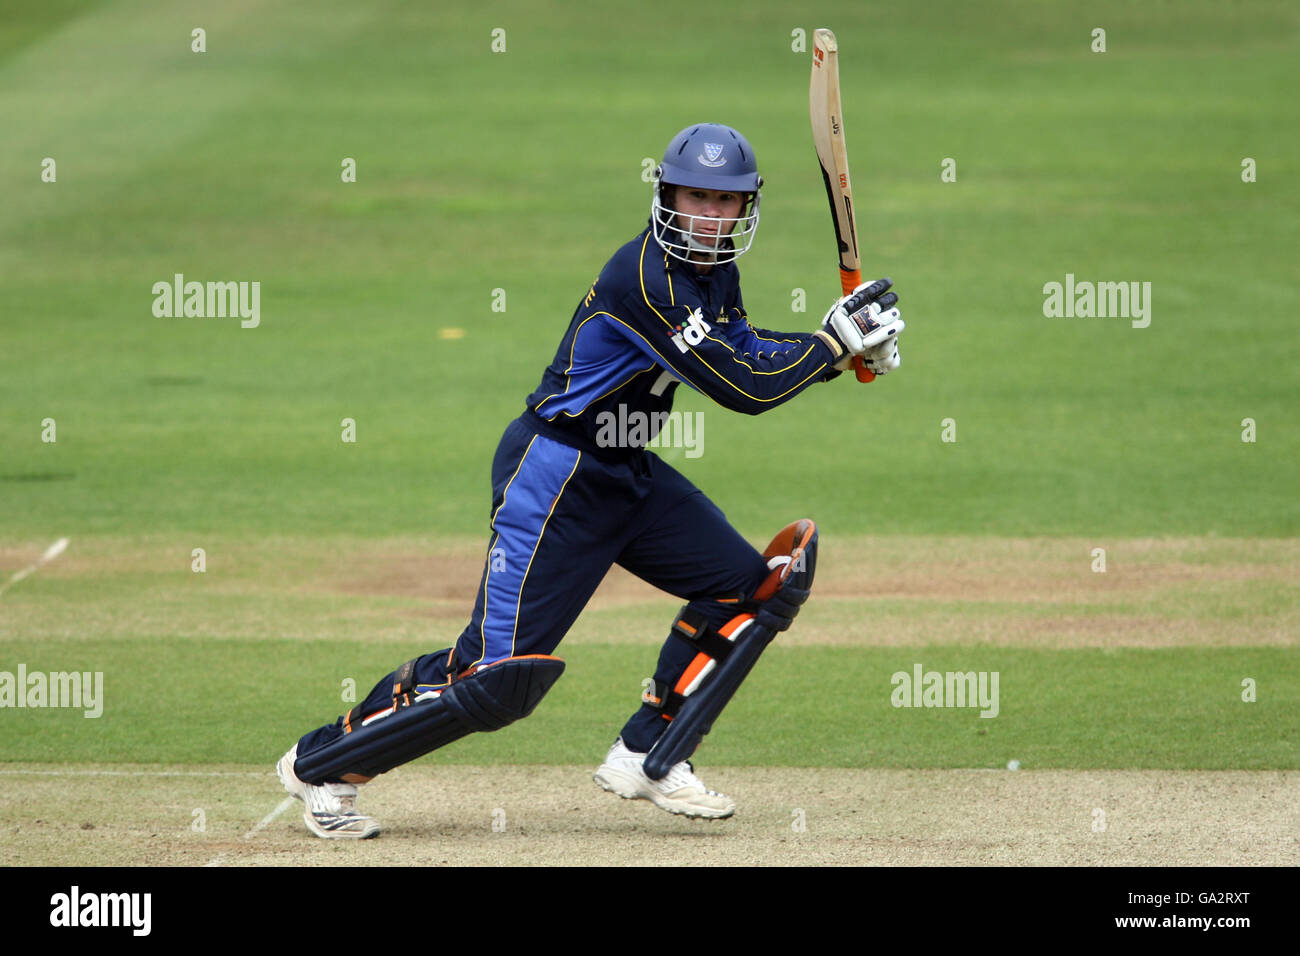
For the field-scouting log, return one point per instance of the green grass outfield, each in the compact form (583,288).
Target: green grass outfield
(520,171)
(174,702)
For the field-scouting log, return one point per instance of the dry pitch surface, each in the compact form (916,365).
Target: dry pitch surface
(524,816)
(1029,593)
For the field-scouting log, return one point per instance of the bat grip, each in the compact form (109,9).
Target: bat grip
(850,279)
(860,369)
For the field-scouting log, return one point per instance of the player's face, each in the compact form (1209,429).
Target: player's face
(705,212)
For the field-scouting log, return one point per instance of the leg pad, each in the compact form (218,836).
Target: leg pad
(728,655)
(483,699)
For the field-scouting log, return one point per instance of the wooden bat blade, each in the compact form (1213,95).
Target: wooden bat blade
(827,119)
(825,113)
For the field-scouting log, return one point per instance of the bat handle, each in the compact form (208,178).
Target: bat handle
(850,279)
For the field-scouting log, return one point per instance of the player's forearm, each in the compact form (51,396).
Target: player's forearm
(766,339)
(752,385)
(710,362)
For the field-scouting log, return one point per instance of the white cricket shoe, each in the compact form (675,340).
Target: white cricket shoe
(331,808)
(680,791)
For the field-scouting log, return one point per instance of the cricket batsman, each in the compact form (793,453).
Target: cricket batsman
(568,502)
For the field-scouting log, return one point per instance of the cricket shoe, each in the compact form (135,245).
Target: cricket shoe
(680,791)
(331,808)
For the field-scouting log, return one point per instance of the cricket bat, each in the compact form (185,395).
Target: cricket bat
(828,137)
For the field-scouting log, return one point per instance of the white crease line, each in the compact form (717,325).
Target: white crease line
(133,773)
(220,859)
(52,552)
(284,805)
(215,861)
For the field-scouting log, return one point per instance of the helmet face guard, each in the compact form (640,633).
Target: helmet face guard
(706,156)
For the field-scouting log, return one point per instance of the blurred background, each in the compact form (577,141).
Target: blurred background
(501,146)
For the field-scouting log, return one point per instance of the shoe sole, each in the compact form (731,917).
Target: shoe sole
(629,788)
(294,786)
(371,831)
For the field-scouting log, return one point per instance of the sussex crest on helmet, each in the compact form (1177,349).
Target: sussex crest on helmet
(711,156)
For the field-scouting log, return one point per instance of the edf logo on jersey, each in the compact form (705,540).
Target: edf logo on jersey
(691,332)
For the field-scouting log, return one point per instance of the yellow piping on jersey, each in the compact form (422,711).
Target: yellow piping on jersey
(740,361)
(639,372)
(642,371)
(641,278)
(568,377)
(646,298)
(669,366)
(519,600)
(488,573)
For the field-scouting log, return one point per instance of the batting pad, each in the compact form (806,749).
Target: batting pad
(725,659)
(486,699)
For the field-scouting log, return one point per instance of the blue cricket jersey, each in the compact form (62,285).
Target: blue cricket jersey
(650,321)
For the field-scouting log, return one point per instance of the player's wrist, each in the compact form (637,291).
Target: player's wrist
(827,337)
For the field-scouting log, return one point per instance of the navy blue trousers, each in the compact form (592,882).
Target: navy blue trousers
(561,517)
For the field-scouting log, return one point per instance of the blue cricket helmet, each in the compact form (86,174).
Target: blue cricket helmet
(707,156)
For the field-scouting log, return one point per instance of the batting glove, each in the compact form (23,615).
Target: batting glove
(884,357)
(866,319)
